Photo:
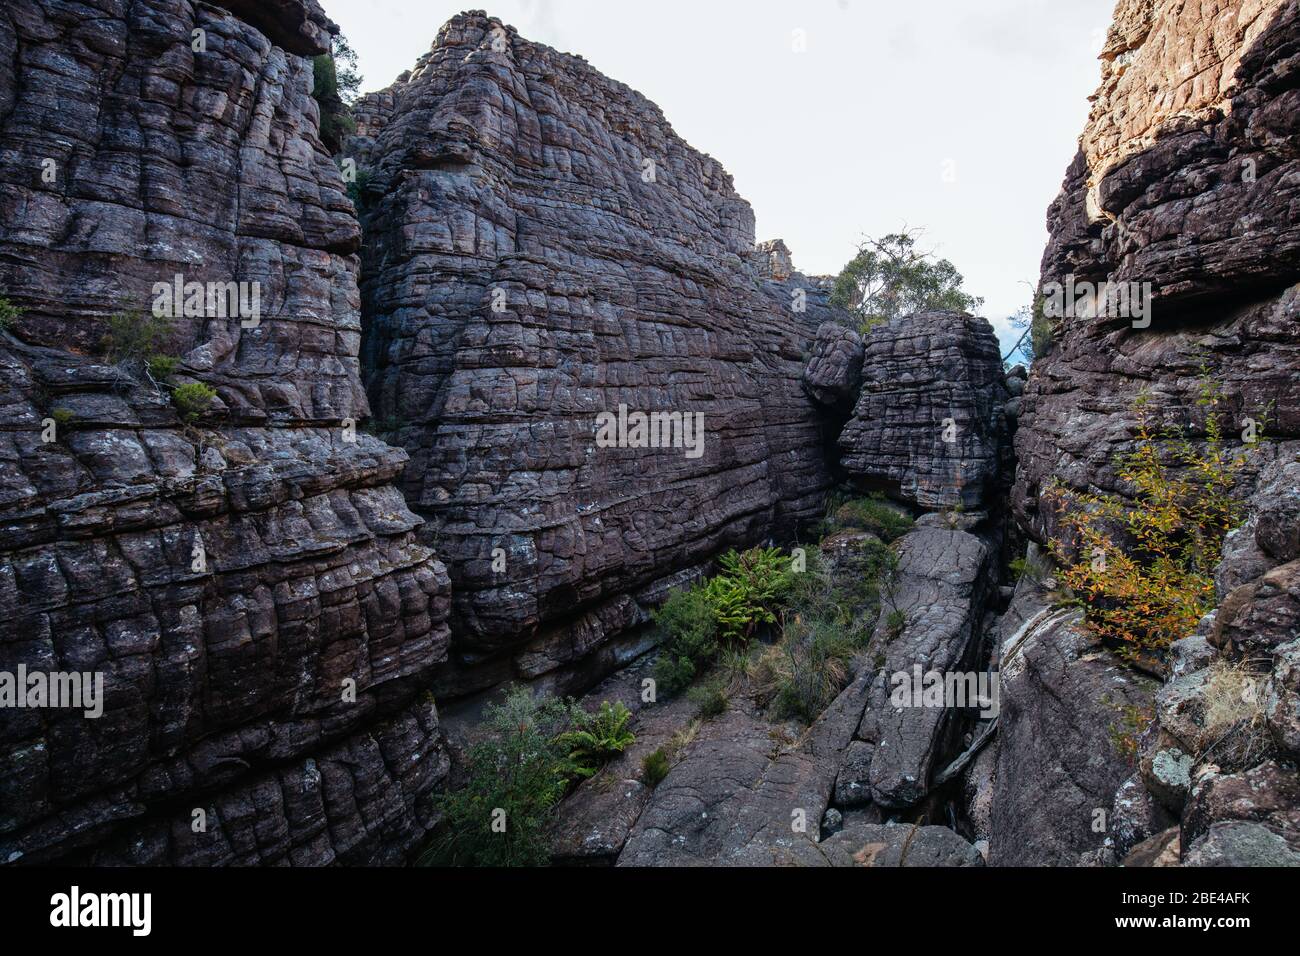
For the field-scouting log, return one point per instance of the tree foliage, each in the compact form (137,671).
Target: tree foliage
(892,277)
(335,86)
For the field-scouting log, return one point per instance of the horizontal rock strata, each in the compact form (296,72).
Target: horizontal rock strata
(542,248)
(928,426)
(248,582)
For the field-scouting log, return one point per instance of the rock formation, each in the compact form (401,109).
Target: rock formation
(248,583)
(541,249)
(928,425)
(1185,187)
(590,381)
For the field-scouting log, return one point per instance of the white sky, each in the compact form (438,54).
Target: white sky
(851,137)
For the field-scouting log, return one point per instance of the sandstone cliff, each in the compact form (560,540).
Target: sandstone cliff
(541,248)
(249,583)
(1187,181)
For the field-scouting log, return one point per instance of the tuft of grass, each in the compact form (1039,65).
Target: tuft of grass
(654,767)
(710,699)
(1235,720)
(873,514)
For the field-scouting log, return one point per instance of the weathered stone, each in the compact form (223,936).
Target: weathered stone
(834,373)
(852,783)
(1236,843)
(1067,706)
(1257,617)
(894,845)
(1163,849)
(1136,818)
(1186,179)
(1267,794)
(731,801)
(928,426)
(313,615)
(941,589)
(541,248)
(1282,699)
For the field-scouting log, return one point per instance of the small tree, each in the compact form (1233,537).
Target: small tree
(335,85)
(891,277)
(517,774)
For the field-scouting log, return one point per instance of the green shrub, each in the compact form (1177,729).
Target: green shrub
(135,338)
(710,699)
(9,314)
(335,82)
(597,738)
(873,514)
(192,400)
(728,608)
(689,638)
(357,188)
(516,775)
(161,367)
(654,767)
(1042,330)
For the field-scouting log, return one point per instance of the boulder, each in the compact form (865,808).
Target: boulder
(834,373)
(940,592)
(928,425)
(1071,716)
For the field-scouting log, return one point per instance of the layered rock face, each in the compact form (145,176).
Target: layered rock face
(1185,186)
(541,250)
(928,425)
(1187,178)
(248,582)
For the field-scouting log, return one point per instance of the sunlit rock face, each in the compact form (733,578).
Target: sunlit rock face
(1186,186)
(541,248)
(1183,196)
(247,584)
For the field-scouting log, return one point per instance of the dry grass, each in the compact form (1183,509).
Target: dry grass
(1234,719)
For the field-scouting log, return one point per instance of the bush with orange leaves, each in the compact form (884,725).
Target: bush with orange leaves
(1153,586)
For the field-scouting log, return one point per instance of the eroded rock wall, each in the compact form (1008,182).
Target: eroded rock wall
(928,426)
(248,584)
(1186,185)
(1188,178)
(542,248)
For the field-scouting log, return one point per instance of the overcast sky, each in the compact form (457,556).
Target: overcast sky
(952,116)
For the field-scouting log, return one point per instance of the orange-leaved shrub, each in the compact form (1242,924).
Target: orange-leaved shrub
(1156,582)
